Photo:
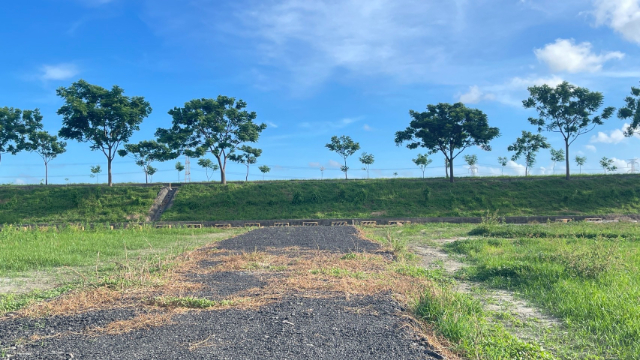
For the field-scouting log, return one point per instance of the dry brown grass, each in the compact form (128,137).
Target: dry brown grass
(304,273)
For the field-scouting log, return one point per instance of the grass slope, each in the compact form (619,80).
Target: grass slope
(407,198)
(74,203)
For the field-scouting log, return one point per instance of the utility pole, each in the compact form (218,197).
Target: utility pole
(632,163)
(187,170)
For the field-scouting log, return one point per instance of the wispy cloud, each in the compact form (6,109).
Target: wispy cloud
(590,148)
(366,127)
(330,125)
(566,55)
(271,124)
(58,72)
(511,92)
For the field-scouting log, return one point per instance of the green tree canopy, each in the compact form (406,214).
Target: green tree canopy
(218,126)
(208,165)
(502,160)
(248,157)
(422,161)
(528,145)
(95,172)
(568,110)
(471,161)
(15,125)
(180,168)
(556,156)
(580,161)
(47,146)
(345,147)
(146,152)
(607,164)
(264,169)
(631,111)
(366,160)
(448,129)
(104,118)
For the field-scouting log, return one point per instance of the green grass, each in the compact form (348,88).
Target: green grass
(43,204)
(584,274)
(407,198)
(99,257)
(188,302)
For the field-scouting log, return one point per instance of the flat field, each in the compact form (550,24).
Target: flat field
(406,198)
(572,289)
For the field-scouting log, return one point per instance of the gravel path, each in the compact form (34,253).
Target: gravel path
(298,325)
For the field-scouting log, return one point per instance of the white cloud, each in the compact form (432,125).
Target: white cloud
(514,90)
(519,169)
(58,72)
(620,164)
(565,55)
(20,182)
(475,95)
(328,125)
(271,124)
(614,137)
(367,128)
(590,148)
(623,16)
(334,164)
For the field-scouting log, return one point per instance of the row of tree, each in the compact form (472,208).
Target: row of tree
(566,109)
(106,120)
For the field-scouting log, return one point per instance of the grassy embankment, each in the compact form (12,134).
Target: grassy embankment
(58,261)
(585,275)
(75,204)
(407,198)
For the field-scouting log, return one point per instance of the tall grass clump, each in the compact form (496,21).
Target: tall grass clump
(584,274)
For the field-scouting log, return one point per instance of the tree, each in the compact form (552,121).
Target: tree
(179,167)
(217,126)
(446,167)
(264,169)
(248,156)
(556,156)
(104,118)
(345,147)
(472,160)
(95,172)
(422,161)
(366,160)
(47,146)
(146,152)
(448,129)
(528,145)
(580,160)
(150,171)
(207,164)
(568,110)
(502,160)
(15,125)
(607,164)
(631,111)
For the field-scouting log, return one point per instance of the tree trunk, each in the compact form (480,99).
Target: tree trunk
(451,166)
(566,159)
(109,160)
(223,175)
(345,169)
(46,173)
(247,177)
(146,177)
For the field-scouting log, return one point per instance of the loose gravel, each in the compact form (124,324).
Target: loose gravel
(340,239)
(295,326)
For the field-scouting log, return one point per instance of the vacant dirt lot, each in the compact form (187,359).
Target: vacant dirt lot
(286,293)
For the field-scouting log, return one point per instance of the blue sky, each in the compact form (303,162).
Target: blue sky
(312,69)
